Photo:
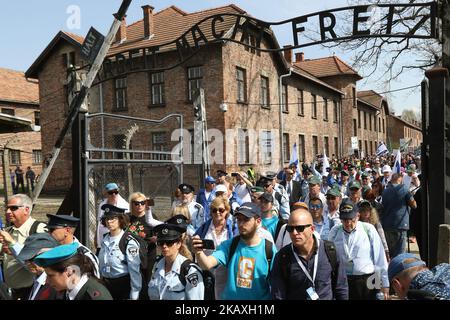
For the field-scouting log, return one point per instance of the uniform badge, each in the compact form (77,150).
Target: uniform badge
(193,279)
(165,231)
(179,221)
(133,251)
(106,209)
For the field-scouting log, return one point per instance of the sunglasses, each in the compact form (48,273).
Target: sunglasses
(299,229)
(14,208)
(315,207)
(331,198)
(168,243)
(113,192)
(139,203)
(221,210)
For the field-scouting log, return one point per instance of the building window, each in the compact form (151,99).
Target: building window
(355,132)
(301,103)
(335,112)
(360,145)
(251,40)
(325,109)
(8,111)
(370,122)
(267,147)
(365,121)
(315,141)
(314,107)
(286,150)
(383,127)
(375,123)
(68,59)
(243,147)
(326,146)
(284,98)
(121,94)
(37,156)
(159,143)
(241,81)
(195,77)
(371,147)
(265,93)
(359,118)
(14,157)
(354,96)
(37,118)
(365,147)
(157,88)
(336,147)
(379,124)
(301,147)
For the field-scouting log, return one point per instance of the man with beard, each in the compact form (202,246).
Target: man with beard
(247,257)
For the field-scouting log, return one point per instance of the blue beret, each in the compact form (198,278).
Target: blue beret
(56,255)
(399,264)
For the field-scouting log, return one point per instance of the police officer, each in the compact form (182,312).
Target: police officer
(62,229)
(168,282)
(120,271)
(281,202)
(195,209)
(69,270)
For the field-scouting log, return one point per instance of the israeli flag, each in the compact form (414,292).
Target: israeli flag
(397,163)
(325,164)
(294,155)
(382,149)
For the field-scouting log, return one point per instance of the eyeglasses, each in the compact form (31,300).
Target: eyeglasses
(168,243)
(139,203)
(14,208)
(221,210)
(113,192)
(315,207)
(299,229)
(331,198)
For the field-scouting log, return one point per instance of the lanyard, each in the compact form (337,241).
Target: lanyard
(316,259)
(348,246)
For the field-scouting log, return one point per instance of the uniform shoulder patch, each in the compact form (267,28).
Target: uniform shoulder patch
(193,279)
(133,251)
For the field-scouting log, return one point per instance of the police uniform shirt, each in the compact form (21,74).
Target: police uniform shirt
(88,253)
(362,250)
(114,264)
(197,217)
(101,229)
(167,286)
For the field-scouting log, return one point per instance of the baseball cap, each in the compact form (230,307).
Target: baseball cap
(347,209)
(210,179)
(249,210)
(111,186)
(314,180)
(221,188)
(399,264)
(386,168)
(354,185)
(266,196)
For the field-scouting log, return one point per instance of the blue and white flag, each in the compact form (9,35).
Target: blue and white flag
(325,164)
(382,149)
(294,155)
(397,163)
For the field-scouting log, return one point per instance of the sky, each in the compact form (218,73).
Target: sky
(28,26)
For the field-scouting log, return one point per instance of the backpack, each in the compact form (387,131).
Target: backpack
(208,278)
(330,251)
(268,249)
(143,247)
(33,228)
(280,223)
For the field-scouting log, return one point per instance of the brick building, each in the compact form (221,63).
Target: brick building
(317,103)
(400,129)
(19,107)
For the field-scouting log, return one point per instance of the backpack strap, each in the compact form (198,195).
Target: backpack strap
(34,226)
(330,250)
(280,223)
(269,255)
(284,263)
(234,244)
(184,270)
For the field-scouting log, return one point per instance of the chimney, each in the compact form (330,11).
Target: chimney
(299,57)
(288,53)
(148,21)
(121,34)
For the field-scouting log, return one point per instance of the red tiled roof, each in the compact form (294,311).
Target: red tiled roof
(15,87)
(74,36)
(326,67)
(171,23)
(371,97)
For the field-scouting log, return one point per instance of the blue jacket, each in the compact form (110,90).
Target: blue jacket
(201,199)
(232,229)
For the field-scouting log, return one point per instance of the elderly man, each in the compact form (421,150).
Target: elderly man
(314,190)
(410,278)
(207,195)
(195,209)
(396,200)
(293,188)
(110,196)
(17,276)
(331,210)
(363,252)
(354,191)
(309,268)
(387,171)
(344,182)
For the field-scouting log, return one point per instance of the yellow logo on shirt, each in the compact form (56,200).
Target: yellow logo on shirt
(246,269)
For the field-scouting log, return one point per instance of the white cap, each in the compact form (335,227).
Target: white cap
(387,168)
(368,170)
(221,188)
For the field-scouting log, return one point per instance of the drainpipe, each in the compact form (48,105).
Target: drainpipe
(280,85)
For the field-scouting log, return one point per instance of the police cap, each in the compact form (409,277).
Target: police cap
(178,220)
(61,221)
(111,211)
(186,188)
(168,232)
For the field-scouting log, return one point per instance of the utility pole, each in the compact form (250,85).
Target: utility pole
(201,129)
(78,102)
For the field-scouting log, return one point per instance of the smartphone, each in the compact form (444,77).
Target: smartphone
(234,174)
(150,202)
(208,244)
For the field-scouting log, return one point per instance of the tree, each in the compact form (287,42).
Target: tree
(388,55)
(410,116)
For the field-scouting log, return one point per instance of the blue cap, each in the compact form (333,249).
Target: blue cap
(210,179)
(249,210)
(398,264)
(111,186)
(56,255)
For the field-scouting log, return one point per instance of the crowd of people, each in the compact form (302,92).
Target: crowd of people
(307,232)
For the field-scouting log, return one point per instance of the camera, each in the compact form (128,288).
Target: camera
(224,107)
(150,202)
(234,174)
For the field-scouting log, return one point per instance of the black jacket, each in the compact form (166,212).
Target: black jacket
(296,192)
